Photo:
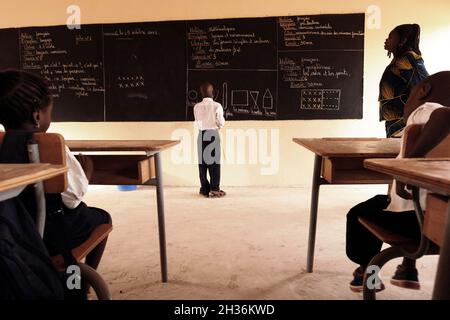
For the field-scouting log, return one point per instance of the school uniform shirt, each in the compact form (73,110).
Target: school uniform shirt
(420,116)
(208,115)
(77,182)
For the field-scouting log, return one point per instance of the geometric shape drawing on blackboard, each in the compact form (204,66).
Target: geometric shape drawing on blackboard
(130,81)
(193,95)
(225,96)
(254,95)
(311,99)
(331,99)
(216,95)
(239,98)
(320,99)
(267,100)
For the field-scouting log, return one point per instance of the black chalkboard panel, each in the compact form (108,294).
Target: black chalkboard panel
(273,68)
(145,71)
(320,65)
(320,85)
(239,56)
(71,61)
(9,49)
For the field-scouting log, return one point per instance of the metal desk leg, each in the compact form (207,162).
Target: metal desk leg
(41,211)
(313,213)
(161,222)
(442,283)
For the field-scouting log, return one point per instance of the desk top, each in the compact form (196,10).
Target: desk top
(120,145)
(432,174)
(352,147)
(17,175)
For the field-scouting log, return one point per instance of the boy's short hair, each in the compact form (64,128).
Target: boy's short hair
(204,88)
(21,94)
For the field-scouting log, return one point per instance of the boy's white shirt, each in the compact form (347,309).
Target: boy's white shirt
(420,116)
(208,115)
(77,182)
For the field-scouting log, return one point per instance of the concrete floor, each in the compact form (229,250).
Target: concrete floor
(248,245)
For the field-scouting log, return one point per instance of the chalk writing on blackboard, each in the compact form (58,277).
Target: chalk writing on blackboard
(130,81)
(80,38)
(214,46)
(130,33)
(305,32)
(302,72)
(320,99)
(41,54)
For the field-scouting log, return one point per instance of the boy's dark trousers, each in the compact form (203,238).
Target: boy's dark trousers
(361,244)
(208,148)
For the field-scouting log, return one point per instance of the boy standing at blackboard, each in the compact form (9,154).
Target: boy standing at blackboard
(209,119)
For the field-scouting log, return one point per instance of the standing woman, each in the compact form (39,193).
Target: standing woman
(406,69)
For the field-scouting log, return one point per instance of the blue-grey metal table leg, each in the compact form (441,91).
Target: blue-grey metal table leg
(441,289)
(161,220)
(313,213)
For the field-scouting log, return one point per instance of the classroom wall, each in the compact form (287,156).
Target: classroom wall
(295,164)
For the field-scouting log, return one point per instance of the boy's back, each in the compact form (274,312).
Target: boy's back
(209,114)
(209,118)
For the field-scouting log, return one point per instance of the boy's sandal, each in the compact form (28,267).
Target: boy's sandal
(217,194)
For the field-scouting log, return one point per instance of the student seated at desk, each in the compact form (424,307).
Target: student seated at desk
(26,105)
(426,105)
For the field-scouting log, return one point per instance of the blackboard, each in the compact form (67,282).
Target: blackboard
(146,72)
(273,68)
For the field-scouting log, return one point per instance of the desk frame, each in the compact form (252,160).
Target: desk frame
(158,183)
(148,150)
(359,176)
(317,181)
(441,289)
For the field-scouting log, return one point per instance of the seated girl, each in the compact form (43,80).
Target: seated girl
(26,105)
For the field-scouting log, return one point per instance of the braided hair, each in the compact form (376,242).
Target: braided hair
(21,94)
(409,38)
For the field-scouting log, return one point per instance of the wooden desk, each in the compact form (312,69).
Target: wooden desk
(143,168)
(341,161)
(15,177)
(434,175)
(151,146)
